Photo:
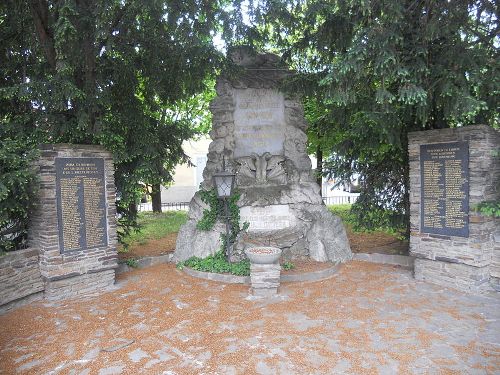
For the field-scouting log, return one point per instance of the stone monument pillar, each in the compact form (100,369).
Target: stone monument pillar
(74,226)
(260,132)
(451,172)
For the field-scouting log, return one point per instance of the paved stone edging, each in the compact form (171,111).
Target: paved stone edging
(396,260)
(23,301)
(313,275)
(233,279)
(224,278)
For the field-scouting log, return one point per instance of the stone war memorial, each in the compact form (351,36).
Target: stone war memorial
(72,233)
(77,202)
(258,132)
(451,172)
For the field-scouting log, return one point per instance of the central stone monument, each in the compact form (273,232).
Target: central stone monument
(259,131)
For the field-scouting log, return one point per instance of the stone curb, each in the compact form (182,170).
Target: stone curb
(23,301)
(312,276)
(395,260)
(224,278)
(145,262)
(233,279)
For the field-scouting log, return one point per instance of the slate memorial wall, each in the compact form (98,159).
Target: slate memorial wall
(451,172)
(74,227)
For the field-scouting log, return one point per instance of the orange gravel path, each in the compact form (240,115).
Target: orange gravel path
(367,319)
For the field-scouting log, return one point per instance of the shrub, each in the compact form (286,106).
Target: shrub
(217,263)
(17,191)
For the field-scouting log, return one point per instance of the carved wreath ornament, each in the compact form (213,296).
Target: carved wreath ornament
(261,169)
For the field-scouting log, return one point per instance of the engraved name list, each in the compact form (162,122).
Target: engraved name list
(81,203)
(445,188)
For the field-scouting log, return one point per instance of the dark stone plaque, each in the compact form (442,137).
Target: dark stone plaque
(81,203)
(444,173)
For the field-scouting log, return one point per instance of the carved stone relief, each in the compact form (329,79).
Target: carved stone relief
(260,170)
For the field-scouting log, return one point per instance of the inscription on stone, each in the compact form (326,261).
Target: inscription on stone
(266,218)
(259,122)
(81,203)
(444,169)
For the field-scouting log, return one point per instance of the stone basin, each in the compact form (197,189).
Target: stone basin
(263,254)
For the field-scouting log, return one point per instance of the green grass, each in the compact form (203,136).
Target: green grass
(344,212)
(350,220)
(154,226)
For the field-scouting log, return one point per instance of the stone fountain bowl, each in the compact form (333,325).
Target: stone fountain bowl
(263,254)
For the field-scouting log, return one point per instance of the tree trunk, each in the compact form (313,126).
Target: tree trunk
(156,197)
(132,207)
(40,12)
(319,168)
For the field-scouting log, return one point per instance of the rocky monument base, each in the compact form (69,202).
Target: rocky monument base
(259,131)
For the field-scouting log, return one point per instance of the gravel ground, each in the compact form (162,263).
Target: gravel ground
(367,319)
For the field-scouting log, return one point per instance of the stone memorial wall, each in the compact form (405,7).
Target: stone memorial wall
(259,130)
(74,226)
(451,172)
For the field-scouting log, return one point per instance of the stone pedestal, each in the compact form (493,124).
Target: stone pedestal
(455,245)
(74,226)
(265,279)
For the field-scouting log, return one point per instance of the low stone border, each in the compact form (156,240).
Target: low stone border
(233,279)
(23,301)
(145,262)
(311,276)
(221,277)
(395,260)
(20,277)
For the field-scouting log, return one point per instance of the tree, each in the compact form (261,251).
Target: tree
(382,69)
(104,72)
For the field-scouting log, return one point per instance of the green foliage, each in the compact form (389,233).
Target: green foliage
(134,76)
(288,266)
(155,226)
(217,263)
(131,262)
(377,220)
(344,212)
(214,211)
(372,71)
(241,268)
(17,190)
(489,208)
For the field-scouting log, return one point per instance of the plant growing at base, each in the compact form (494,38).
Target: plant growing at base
(217,263)
(131,262)
(489,208)
(288,266)
(216,211)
